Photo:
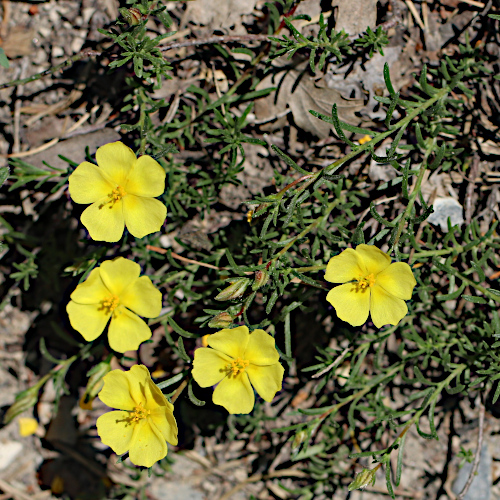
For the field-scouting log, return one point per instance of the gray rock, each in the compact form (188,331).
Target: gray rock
(444,208)
(480,489)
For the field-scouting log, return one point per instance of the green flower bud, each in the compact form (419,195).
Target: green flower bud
(24,401)
(363,479)
(133,16)
(235,290)
(299,438)
(222,320)
(261,278)
(95,383)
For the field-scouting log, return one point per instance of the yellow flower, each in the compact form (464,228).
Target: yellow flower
(372,285)
(27,426)
(122,191)
(237,361)
(144,422)
(115,290)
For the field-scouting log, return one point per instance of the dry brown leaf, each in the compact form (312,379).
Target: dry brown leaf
(301,92)
(219,14)
(18,42)
(354,16)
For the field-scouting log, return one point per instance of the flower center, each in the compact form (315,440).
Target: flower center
(140,412)
(237,366)
(116,195)
(109,304)
(363,282)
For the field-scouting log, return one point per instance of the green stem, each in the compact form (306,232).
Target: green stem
(308,229)
(142,121)
(379,138)
(431,253)
(478,287)
(413,195)
(357,395)
(66,64)
(319,267)
(455,373)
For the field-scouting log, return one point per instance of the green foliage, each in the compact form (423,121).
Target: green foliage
(337,43)
(4,62)
(266,273)
(373,41)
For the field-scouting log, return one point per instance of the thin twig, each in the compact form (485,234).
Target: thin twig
(263,477)
(179,391)
(184,259)
(477,457)
(413,10)
(215,39)
(66,64)
(474,3)
(470,188)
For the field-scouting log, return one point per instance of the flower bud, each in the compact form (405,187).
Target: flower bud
(299,438)
(261,278)
(235,290)
(133,16)
(363,479)
(24,401)
(95,383)
(222,320)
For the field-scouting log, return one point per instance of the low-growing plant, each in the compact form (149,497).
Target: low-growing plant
(414,307)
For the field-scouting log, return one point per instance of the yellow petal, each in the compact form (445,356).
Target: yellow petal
(116,161)
(116,390)
(350,305)
(118,274)
(385,309)
(209,366)
(116,429)
(147,178)
(87,319)
(87,184)
(231,342)
(139,383)
(142,297)
(397,280)
(261,349)
(346,266)
(165,422)
(373,258)
(266,380)
(143,215)
(148,444)
(235,394)
(127,331)
(92,290)
(155,399)
(104,222)
(27,426)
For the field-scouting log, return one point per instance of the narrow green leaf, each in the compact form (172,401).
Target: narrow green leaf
(192,397)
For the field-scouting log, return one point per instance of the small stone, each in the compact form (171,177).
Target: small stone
(9,450)
(444,208)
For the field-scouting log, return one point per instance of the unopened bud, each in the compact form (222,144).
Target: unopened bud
(363,479)
(261,278)
(133,16)
(299,438)
(235,290)
(95,383)
(222,320)
(24,401)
